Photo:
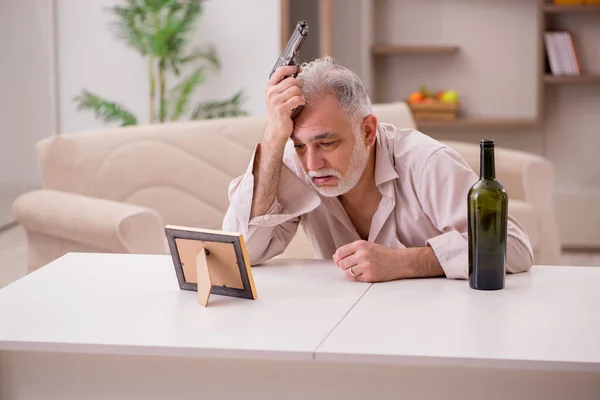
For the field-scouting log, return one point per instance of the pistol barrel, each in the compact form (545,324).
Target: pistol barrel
(289,56)
(296,40)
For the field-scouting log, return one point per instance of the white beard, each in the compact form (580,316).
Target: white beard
(358,163)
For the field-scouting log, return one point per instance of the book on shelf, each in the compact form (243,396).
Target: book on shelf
(560,53)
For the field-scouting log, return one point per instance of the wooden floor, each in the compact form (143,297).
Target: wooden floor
(13,256)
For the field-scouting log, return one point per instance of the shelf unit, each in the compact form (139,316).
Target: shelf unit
(379,52)
(581,79)
(372,51)
(476,124)
(390,49)
(554,9)
(549,16)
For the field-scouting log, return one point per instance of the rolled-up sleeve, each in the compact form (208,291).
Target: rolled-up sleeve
(268,235)
(444,184)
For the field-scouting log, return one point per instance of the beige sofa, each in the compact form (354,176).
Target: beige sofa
(114,190)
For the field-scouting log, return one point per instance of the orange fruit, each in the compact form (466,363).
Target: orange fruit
(415,97)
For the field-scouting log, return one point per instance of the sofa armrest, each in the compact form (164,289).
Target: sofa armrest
(102,224)
(538,181)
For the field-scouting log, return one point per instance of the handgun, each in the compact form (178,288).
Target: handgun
(290,55)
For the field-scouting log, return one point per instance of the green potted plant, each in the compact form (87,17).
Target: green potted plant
(159,30)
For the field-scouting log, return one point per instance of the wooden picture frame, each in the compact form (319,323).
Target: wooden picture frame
(211,262)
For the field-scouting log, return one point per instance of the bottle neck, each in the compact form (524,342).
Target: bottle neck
(487,164)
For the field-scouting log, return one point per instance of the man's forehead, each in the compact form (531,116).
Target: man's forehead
(321,112)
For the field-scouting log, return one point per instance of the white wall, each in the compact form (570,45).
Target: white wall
(246,35)
(26,100)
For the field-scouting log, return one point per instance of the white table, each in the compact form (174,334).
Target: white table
(98,326)
(537,338)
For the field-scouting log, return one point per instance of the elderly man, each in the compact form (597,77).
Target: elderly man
(385,203)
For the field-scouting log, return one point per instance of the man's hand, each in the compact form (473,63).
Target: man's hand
(370,262)
(283,95)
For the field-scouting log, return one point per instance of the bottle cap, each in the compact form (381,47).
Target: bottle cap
(487,143)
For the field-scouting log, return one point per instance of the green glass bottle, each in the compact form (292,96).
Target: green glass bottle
(487,220)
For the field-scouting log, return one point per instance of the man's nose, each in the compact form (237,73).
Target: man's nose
(314,160)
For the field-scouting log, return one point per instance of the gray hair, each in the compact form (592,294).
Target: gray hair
(324,76)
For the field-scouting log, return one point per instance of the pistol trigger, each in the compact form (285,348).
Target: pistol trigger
(297,70)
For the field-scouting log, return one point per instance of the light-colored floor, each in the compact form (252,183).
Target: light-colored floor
(13,256)
(7,197)
(8,193)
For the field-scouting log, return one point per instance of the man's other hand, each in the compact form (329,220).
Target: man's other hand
(371,262)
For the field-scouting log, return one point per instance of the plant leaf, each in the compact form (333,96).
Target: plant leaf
(155,5)
(160,29)
(188,12)
(131,25)
(175,22)
(180,94)
(208,54)
(220,109)
(163,111)
(104,110)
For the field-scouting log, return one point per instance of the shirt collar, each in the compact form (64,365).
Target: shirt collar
(384,170)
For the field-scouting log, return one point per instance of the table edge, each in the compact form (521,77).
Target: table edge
(450,361)
(157,351)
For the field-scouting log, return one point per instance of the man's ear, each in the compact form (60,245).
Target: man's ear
(369,127)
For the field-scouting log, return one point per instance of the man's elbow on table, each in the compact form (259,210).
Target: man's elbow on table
(519,256)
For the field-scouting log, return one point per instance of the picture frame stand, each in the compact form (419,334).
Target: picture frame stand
(211,262)
(203,274)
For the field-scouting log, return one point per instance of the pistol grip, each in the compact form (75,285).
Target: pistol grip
(296,111)
(295,74)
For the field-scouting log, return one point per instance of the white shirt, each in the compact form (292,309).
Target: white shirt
(424,186)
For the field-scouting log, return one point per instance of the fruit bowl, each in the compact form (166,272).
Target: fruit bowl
(425,105)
